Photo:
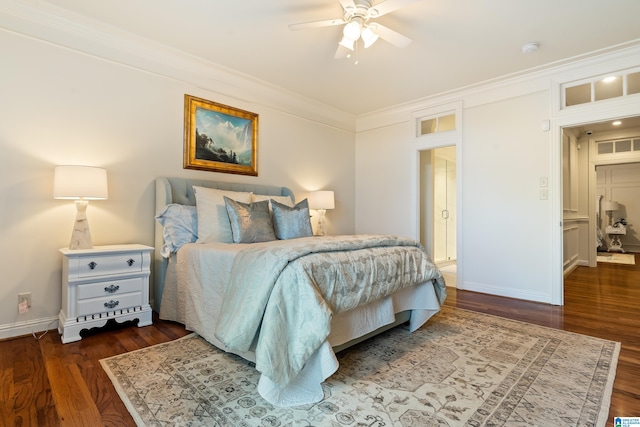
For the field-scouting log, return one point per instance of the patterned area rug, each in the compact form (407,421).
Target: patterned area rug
(617,258)
(460,369)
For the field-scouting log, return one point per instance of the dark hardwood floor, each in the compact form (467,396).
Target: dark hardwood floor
(46,383)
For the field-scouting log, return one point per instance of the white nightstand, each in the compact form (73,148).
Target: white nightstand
(614,234)
(106,282)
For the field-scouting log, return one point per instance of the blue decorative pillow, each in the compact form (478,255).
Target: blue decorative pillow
(180,226)
(250,223)
(291,222)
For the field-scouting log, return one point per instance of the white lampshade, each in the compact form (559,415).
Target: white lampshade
(610,206)
(321,200)
(80,182)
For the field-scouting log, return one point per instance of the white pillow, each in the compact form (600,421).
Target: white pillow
(213,220)
(285,200)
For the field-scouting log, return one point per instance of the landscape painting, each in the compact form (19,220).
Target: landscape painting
(219,138)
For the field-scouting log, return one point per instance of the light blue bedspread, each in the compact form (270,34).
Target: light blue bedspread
(282,294)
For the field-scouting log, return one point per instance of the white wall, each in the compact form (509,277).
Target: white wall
(62,106)
(386,169)
(506,226)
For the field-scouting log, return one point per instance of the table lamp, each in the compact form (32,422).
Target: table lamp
(609,207)
(321,201)
(81,184)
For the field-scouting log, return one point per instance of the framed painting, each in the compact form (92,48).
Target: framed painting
(219,138)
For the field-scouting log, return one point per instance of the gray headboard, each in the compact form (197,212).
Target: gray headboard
(180,190)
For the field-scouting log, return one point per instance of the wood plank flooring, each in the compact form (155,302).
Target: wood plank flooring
(47,383)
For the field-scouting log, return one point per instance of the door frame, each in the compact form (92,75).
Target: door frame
(571,117)
(441,140)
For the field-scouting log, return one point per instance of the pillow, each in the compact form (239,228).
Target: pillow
(213,221)
(285,200)
(180,226)
(250,223)
(291,222)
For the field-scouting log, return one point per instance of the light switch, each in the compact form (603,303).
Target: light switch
(544,181)
(544,194)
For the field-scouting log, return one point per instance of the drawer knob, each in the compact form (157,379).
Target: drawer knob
(112,288)
(111,304)
(92,265)
(130,261)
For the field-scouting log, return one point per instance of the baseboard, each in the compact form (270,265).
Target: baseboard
(28,327)
(510,293)
(577,263)
(569,270)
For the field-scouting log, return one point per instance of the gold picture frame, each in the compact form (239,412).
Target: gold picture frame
(219,138)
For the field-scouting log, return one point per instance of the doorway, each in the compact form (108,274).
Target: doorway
(600,164)
(438,208)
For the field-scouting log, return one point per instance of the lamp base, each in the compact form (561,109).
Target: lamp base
(81,235)
(321,230)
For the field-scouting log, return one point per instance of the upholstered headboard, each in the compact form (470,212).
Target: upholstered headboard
(180,190)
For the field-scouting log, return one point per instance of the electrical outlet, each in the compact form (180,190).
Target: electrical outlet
(25,296)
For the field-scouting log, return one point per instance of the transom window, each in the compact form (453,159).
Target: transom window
(437,124)
(601,88)
(617,146)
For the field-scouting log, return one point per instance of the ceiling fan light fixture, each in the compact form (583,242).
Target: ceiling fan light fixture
(352,30)
(369,37)
(357,23)
(346,42)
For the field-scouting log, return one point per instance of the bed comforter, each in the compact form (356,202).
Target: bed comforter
(282,295)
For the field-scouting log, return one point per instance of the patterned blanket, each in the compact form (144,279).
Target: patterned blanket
(282,294)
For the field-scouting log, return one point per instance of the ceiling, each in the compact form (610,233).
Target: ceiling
(608,126)
(456,43)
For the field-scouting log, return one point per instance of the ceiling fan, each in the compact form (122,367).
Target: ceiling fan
(358,19)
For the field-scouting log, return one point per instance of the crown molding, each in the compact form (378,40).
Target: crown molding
(60,27)
(544,78)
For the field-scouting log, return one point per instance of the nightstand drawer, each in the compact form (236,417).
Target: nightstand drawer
(616,230)
(110,288)
(110,303)
(105,264)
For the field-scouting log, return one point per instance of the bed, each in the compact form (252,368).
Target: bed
(267,301)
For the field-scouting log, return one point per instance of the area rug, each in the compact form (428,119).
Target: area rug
(617,258)
(460,369)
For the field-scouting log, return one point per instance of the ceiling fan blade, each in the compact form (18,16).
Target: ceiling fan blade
(316,24)
(390,36)
(387,6)
(341,52)
(348,4)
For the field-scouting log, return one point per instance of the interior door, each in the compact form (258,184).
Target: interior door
(444,205)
